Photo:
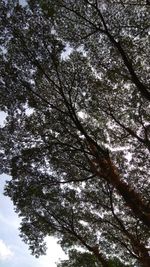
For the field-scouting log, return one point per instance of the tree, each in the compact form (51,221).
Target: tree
(84,259)
(71,176)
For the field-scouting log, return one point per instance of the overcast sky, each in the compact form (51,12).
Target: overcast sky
(13,252)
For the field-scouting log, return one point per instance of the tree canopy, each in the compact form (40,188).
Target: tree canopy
(76,141)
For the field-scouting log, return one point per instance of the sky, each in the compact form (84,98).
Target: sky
(13,251)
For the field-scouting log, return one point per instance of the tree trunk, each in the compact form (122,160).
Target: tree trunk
(110,173)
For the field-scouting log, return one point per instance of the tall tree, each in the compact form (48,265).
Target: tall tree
(73,121)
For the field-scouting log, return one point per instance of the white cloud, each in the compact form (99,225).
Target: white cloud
(53,255)
(5,251)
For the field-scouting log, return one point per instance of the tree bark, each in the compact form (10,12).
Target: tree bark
(110,173)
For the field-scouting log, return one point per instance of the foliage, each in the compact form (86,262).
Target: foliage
(84,259)
(76,137)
